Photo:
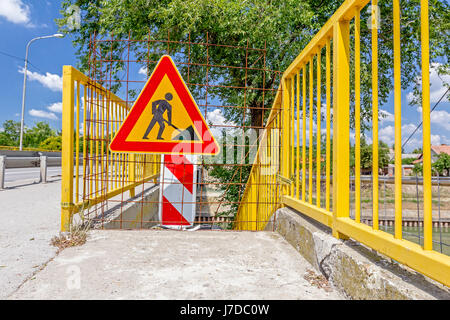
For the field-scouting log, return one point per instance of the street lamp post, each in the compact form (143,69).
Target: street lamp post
(56,35)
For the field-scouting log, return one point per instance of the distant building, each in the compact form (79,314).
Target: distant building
(435,152)
(407,169)
(404,155)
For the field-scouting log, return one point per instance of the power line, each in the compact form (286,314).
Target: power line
(19,58)
(417,128)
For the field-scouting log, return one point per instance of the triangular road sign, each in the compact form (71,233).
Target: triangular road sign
(165,118)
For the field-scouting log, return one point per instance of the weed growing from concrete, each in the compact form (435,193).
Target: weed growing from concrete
(76,236)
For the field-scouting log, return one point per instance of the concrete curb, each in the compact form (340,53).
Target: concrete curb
(135,213)
(355,270)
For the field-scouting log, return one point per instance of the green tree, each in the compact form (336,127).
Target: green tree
(366,155)
(32,137)
(408,160)
(11,133)
(283,27)
(442,164)
(418,168)
(53,143)
(37,134)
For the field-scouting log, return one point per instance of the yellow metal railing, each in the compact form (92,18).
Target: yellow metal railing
(104,174)
(296,173)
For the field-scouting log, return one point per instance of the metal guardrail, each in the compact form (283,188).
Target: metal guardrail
(27,162)
(30,162)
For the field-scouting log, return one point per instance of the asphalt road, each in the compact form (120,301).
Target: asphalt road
(15,174)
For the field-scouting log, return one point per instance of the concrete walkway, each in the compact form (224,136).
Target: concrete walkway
(163,264)
(29,218)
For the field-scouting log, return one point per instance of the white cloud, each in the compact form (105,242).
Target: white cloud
(15,11)
(386,135)
(439,117)
(409,128)
(435,139)
(55,107)
(217,123)
(410,96)
(143,70)
(437,88)
(43,114)
(388,117)
(49,80)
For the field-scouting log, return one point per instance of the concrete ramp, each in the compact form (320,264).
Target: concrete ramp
(163,264)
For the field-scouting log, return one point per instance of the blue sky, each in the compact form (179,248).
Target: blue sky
(22,20)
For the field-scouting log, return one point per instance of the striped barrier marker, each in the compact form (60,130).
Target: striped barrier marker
(177,195)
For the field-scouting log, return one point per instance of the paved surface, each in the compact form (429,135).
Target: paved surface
(15,174)
(29,218)
(166,264)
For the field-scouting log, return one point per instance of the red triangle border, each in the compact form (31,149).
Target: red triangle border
(167,67)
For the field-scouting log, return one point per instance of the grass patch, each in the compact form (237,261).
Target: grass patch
(76,236)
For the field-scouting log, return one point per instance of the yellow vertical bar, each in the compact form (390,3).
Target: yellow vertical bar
(107,139)
(91,144)
(84,139)
(77,146)
(341,123)
(425,44)
(97,135)
(102,145)
(285,143)
(375,115)
(304,135)
(357,116)
(398,122)
(116,126)
(254,200)
(291,133)
(328,144)
(318,151)
(122,164)
(310,187)
(297,179)
(67,150)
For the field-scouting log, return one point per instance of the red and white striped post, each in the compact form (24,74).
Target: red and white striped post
(177,197)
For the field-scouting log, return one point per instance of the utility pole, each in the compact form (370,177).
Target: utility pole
(56,35)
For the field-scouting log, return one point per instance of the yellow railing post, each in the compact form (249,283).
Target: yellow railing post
(310,152)
(328,138)
(304,134)
(132,172)
(375,204)
(427,200)
(341,123)
(67,149)
(318,115)
(398,121)
(357,117)
(286,134)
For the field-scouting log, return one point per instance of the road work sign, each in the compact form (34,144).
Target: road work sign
(165,118)
(177,198)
